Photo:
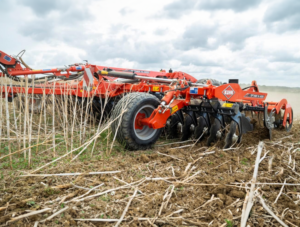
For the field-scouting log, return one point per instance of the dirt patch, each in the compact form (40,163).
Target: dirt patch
(144,158)
(193,186)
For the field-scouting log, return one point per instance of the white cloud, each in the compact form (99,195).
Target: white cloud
(217,39)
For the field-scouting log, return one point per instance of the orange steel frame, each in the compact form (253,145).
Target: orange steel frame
(104,86)
(160,115)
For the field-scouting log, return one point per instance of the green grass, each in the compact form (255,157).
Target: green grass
(244,161)
(229,223)
(105,198)
(20,163)
(44,153)
(179,189)
(30,203)
(140,175)
(51,191)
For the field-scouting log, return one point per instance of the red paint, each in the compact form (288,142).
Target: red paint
(228,92)
(138,121)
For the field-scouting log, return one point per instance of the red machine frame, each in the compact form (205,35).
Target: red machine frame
(179,90)
(90,86)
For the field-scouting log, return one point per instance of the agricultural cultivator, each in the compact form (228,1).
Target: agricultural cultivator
(142,102)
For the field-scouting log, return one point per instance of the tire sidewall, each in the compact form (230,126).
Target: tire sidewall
(147,101)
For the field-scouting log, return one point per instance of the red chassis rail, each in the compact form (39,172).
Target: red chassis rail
(92,84)
(231,93)
(101,89)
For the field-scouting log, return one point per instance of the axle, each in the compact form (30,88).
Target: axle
(132,76)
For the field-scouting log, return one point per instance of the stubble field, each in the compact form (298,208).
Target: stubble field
(172,184)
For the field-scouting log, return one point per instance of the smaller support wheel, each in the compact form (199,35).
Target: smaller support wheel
(279,120)
(290,118)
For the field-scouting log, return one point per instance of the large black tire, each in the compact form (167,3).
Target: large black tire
(101,109)
(126,133)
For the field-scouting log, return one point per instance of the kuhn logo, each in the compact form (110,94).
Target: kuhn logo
(228,92)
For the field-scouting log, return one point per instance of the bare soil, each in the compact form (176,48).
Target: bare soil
(191,186)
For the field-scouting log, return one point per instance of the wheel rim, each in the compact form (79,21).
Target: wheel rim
(143,132)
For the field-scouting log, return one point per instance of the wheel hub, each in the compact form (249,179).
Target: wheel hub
(138,121)
(143,132)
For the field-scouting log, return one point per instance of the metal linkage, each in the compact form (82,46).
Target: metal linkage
(220,107)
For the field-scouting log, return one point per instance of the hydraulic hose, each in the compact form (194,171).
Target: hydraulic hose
(180,89)
(22,61)
(4,71)
(39,79)
(72,77)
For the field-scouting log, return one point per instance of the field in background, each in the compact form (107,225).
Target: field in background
(293,99)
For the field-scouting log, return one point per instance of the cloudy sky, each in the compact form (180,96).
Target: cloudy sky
(222,39)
